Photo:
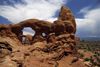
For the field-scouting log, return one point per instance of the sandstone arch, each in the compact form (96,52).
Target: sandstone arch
(39,26)
(64,24)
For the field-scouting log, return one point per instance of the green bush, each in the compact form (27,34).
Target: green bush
(34,55)
(90,56)
(24,56)
(86,59)
(79,47)
(91,60)
(56,64)
(18,50)
(89,49)
(98,54)
(12,55)
(82,55)
(84,50)
(95,55)
(94,63)
(28,60)
(98,59)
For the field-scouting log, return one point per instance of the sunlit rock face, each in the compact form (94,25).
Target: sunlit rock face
(58,44)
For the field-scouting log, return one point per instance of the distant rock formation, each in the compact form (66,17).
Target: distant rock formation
(83,40)
(77,39)
(57,47)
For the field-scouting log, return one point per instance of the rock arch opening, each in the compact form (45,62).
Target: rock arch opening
(43,34)
(27,35)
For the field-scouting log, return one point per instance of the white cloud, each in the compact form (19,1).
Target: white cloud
(28,29)
(26,9)
(26,32)
(90,24)
(84,10)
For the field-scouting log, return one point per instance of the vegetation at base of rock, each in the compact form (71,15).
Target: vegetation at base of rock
(18,50)
(24,57)
(56,64)
(82,55)
(28,60)
(91,60)
(94,63)
(12,55)
(94,48)
(86,59)
(90,56)
(98,59)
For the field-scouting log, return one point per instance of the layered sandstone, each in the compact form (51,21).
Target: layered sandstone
(56,48)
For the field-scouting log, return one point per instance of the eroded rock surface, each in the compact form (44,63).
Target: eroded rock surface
(56,49)
(28,39)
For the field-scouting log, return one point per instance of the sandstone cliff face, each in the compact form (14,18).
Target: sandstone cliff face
(52,50)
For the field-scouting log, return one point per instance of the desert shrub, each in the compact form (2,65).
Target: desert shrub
(89,49)
(98,64)
(82,55)
(86,59)
(95,52)
(34,55)
(98,59)
(96,45)
(56,64)
(95,55)
(94,63)
(84,50)
(87,45)
(79,47)
(81,44)
(12,55)
(18,50)
(28,60)
(93,49)
(90,56)
(91,60)
(98,54)
(24,57)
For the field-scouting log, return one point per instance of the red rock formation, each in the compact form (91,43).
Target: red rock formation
(77,39)
(28,39)
(57,47)
(83,40)
(67,17)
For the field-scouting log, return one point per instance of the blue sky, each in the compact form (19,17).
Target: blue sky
(86,13)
